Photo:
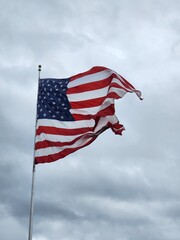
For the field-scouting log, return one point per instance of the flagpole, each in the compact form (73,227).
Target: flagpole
(33,177)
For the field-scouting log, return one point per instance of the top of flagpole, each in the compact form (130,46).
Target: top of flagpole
(39,69)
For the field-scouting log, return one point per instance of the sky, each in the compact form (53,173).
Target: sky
(119,187)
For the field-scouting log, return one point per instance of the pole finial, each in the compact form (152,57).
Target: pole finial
(39,68)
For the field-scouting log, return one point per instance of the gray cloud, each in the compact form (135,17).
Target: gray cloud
(118,187)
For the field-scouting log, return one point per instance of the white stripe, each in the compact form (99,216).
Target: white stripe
(55,138)
(88,95)
(122,80)
(65,124)
(52,150)
(104,121)
(80,142)
(119,91)
(66,138)
(95,77)
(120,83)
(76,97)
(93,110)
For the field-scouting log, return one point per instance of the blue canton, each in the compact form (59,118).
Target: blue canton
(52,100)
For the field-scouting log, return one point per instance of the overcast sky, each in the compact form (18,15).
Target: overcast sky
(119,187)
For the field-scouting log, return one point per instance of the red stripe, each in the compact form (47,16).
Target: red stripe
(116,85)
(99,84)
(117,128)
(91,71)
(87,103)
(93,102)
(89,86)
(78,117)
(46,143)
(107,111)
(99,69)
(67,151)
(124,81)
(113,95)
(62,131)
(102,113)
(60,155)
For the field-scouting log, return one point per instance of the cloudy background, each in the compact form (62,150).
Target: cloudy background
(118,188)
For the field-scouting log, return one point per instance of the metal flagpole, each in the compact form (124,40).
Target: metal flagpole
(33,176)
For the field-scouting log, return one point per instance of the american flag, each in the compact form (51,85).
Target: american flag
(72,112)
